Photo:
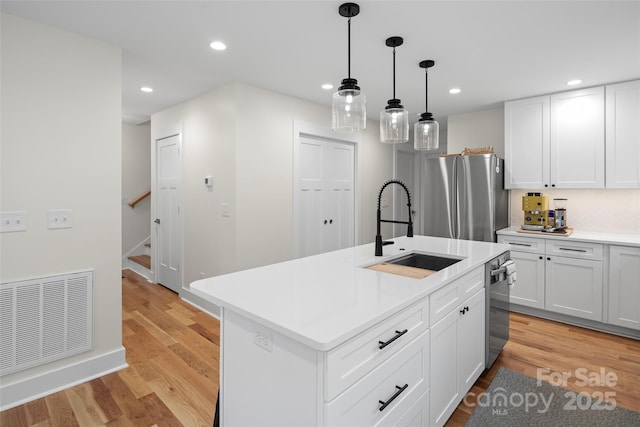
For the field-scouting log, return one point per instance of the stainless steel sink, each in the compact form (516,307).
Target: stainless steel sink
(426,262)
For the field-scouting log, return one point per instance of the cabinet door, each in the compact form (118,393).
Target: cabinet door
(444,368)
(623,134)
(624,286)
(529,287)
(527,143)
(577,139)
(574,287)
(471,333)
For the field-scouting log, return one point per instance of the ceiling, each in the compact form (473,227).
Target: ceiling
(492,50)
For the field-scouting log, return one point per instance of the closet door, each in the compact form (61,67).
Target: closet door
(325,199)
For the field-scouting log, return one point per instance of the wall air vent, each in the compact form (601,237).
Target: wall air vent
(45,319)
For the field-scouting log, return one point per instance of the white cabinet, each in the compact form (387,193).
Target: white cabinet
(574,278)
(527,140)
(457,343)
(623,135)
(624,286)
(556,141)
(562,276)
(529,256)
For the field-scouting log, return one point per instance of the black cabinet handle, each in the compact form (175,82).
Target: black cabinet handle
(392,398)
(397,335)
(325,221)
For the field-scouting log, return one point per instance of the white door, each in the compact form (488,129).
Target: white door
(405,172)
(325,200)
(168,225)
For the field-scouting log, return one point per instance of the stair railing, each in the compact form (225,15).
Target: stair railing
(138,199)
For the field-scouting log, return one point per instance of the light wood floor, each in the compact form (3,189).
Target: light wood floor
(173,349)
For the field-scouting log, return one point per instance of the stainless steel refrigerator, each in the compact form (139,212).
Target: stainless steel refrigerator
(463,197)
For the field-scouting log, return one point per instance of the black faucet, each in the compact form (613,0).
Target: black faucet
(379,242)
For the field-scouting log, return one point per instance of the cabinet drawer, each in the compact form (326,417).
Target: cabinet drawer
(404,375)
(583,250)
(352,360)
(523,244)
(446,299)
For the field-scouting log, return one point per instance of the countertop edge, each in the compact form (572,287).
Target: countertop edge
(581,236)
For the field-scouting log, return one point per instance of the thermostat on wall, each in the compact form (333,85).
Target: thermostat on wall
(208,181)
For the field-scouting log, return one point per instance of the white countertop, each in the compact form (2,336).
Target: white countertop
(581,236)
(324,300)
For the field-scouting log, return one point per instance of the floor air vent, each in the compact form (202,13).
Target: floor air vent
(45,319)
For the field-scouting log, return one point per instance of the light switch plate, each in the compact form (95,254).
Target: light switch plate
(60,218)
(13,221)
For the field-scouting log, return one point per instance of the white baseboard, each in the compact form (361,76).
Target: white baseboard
(29,389)
(200,303)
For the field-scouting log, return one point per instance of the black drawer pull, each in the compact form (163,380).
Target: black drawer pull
(520,244)
(398,335)
(573,250)
(392,398)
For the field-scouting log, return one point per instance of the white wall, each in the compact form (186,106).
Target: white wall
(475,130)
(136,180)
(243,137)
(60,149)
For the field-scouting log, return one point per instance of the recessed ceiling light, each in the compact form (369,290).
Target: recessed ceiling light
(455,90)
(218,45)
(574,82)
(146,89)
(327,86)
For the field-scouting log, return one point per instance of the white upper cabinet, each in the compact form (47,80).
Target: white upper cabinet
(556,141)
(623,135)
(527,143)
(577,139)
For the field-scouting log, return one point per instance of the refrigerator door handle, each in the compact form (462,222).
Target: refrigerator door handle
(455,221)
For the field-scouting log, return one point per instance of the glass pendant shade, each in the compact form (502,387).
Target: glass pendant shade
(348,109)
(394,119)
(394,125)
(425,135)
(426,131)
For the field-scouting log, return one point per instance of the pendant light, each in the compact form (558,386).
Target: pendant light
(348,107)
(426,130)
(394,120)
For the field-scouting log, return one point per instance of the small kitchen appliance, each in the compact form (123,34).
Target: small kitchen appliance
(536,212)
(560,206)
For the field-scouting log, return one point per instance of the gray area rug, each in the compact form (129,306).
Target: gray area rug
(513,399)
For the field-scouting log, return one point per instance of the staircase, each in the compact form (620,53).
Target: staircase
(140,262)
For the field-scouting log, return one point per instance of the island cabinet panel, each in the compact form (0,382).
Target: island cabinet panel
(355,358)
(457,355)
(267,379)
(447,298)
(383,396)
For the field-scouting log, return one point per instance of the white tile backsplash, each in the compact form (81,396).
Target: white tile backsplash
(606,211)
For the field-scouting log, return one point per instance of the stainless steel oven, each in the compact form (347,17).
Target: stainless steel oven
(497,308)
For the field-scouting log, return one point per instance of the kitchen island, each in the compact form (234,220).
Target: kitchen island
(323,340)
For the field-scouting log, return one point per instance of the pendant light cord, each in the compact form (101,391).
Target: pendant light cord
(426,90)
(394,73)
(349,48)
